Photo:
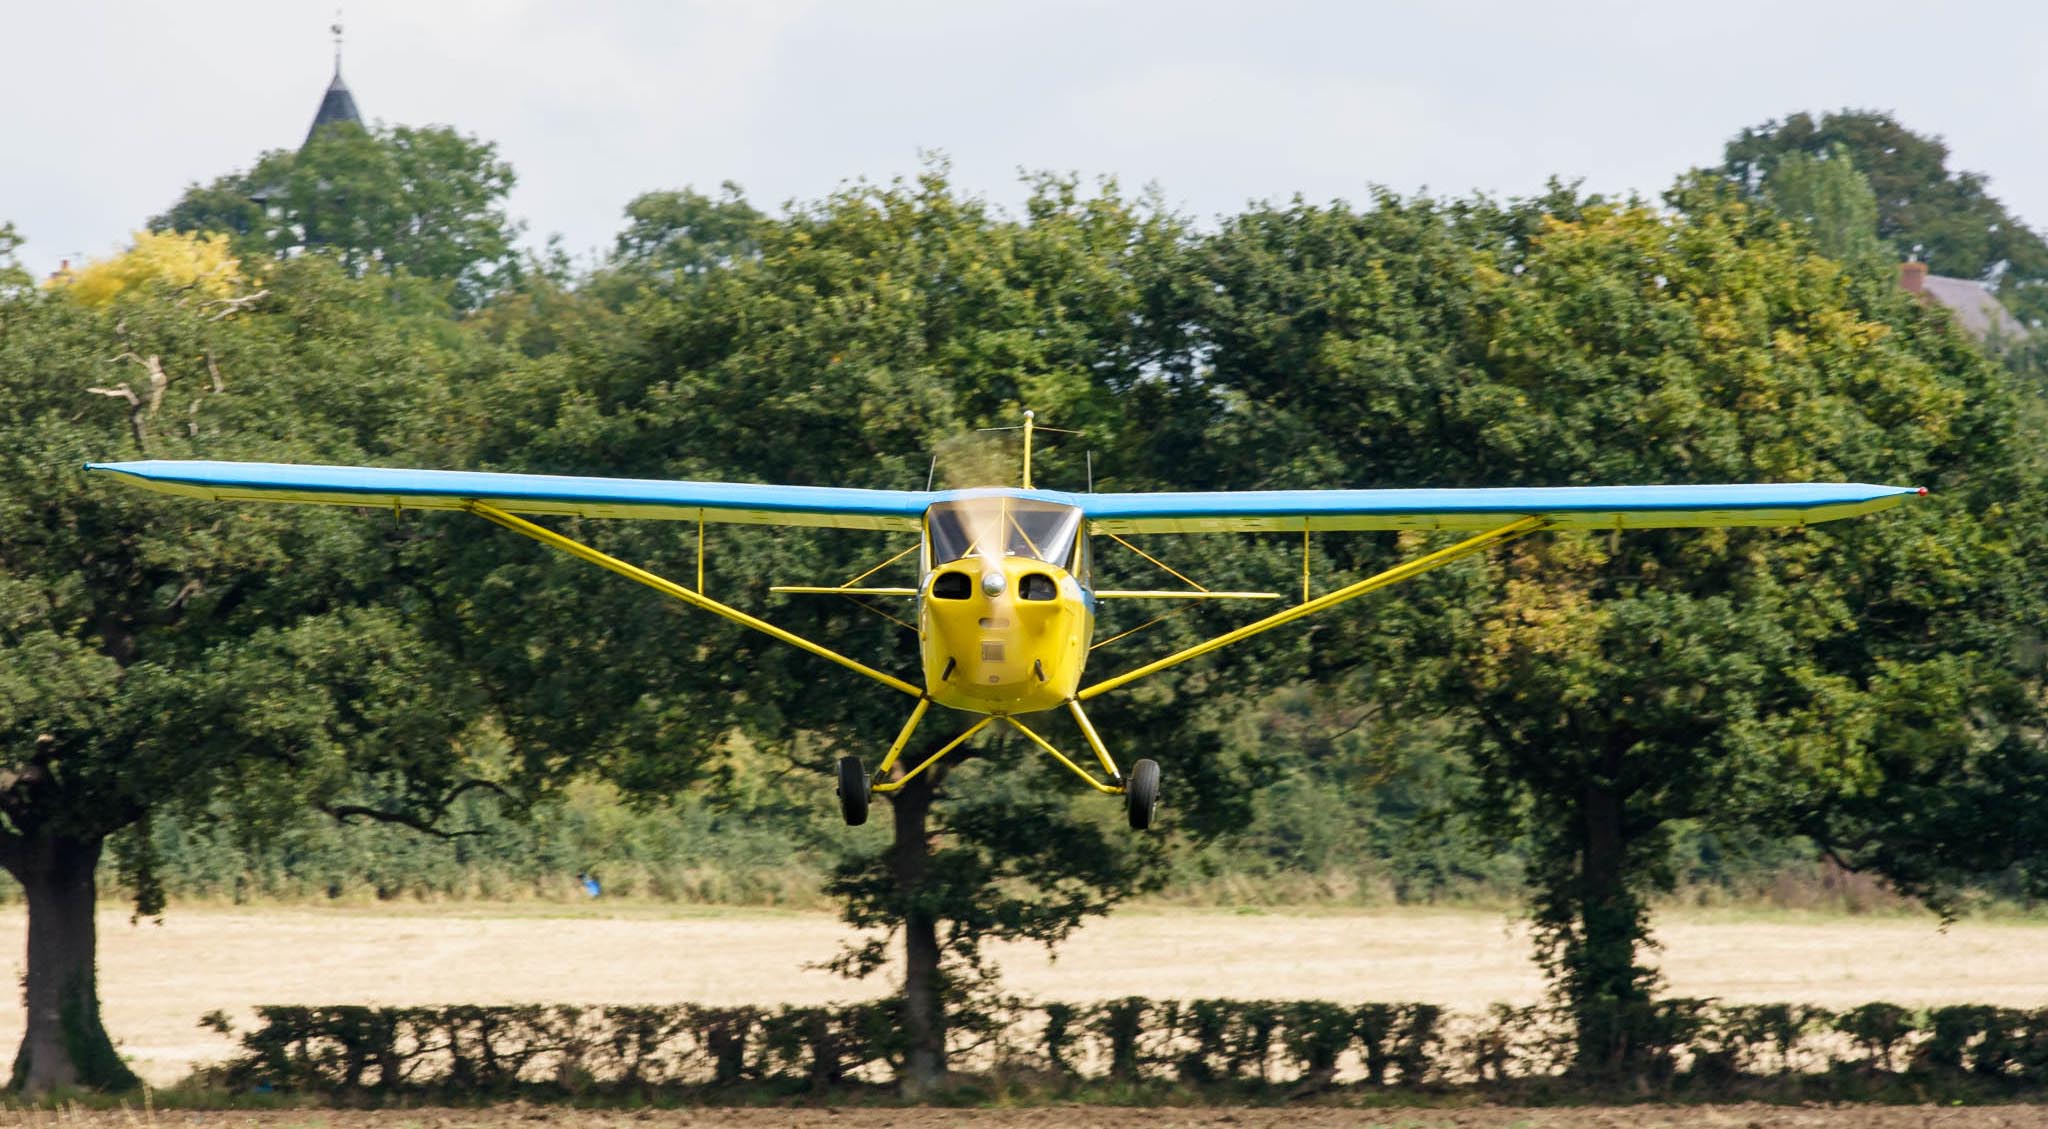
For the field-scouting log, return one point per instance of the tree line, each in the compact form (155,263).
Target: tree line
(1873,688)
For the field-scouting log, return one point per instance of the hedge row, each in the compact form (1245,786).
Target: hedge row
(1244,1043)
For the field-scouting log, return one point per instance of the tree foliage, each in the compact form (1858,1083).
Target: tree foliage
(152,656)
(683,235)
(1945,216)
(1874,686)
(1608,687)
(200,264)
(13,279)
(1832,199)
(876,326)
(425,201)
(1622,685)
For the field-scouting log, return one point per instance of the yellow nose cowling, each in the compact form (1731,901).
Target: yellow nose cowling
(1003,636)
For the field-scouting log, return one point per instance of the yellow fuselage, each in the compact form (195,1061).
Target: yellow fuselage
(1002,629)
(1004,653)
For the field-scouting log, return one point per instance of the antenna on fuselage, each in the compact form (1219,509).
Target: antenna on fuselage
(1030,427)
(1029,415)
(932,474)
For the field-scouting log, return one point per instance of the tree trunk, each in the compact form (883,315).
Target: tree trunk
(66,1045)
(1608,993)
(924,1001)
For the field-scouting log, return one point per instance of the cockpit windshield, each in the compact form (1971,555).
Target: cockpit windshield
(1014,527)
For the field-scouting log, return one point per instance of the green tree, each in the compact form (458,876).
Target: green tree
(156,654)
(863,333)
(674,239)
(685,234)
(1948,217)
(13,279)
(426,201)
(1832,199)
(1615,685)
(1605,687)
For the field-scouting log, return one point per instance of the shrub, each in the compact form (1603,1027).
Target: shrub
(1243,1044)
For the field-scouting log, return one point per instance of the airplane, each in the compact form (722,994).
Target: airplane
(1005,596)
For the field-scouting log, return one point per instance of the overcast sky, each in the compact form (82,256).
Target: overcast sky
(112,107)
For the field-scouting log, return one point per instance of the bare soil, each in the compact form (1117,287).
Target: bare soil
(156,980)
(1743,1116)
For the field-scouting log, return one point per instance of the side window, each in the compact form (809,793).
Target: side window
(952,586)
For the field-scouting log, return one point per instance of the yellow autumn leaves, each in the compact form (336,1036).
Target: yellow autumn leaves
(201,263)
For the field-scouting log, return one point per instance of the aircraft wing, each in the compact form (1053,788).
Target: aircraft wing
(743,502)
(1251,511)
(1563,507)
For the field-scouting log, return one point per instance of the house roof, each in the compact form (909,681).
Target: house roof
(1976,308)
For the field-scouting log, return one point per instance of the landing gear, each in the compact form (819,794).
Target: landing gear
(1141,794)
(853,791)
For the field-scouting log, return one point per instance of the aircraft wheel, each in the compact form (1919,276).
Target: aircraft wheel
(1141,794)
(853,791)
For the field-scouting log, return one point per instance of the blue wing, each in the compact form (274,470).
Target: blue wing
(1565,507)
(529,493)
(1253,511)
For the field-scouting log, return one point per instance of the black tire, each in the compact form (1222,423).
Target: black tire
(1141,794)
(853,791)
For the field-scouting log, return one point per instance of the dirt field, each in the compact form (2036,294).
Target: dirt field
(157,980)
(1629,1117)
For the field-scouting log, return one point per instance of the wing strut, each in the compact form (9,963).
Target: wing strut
(1395,575)
(666,587)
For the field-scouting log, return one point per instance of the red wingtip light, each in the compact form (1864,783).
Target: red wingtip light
(1923,491)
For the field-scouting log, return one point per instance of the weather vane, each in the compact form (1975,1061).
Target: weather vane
(335,27)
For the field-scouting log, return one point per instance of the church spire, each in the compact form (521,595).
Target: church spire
(338,105)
